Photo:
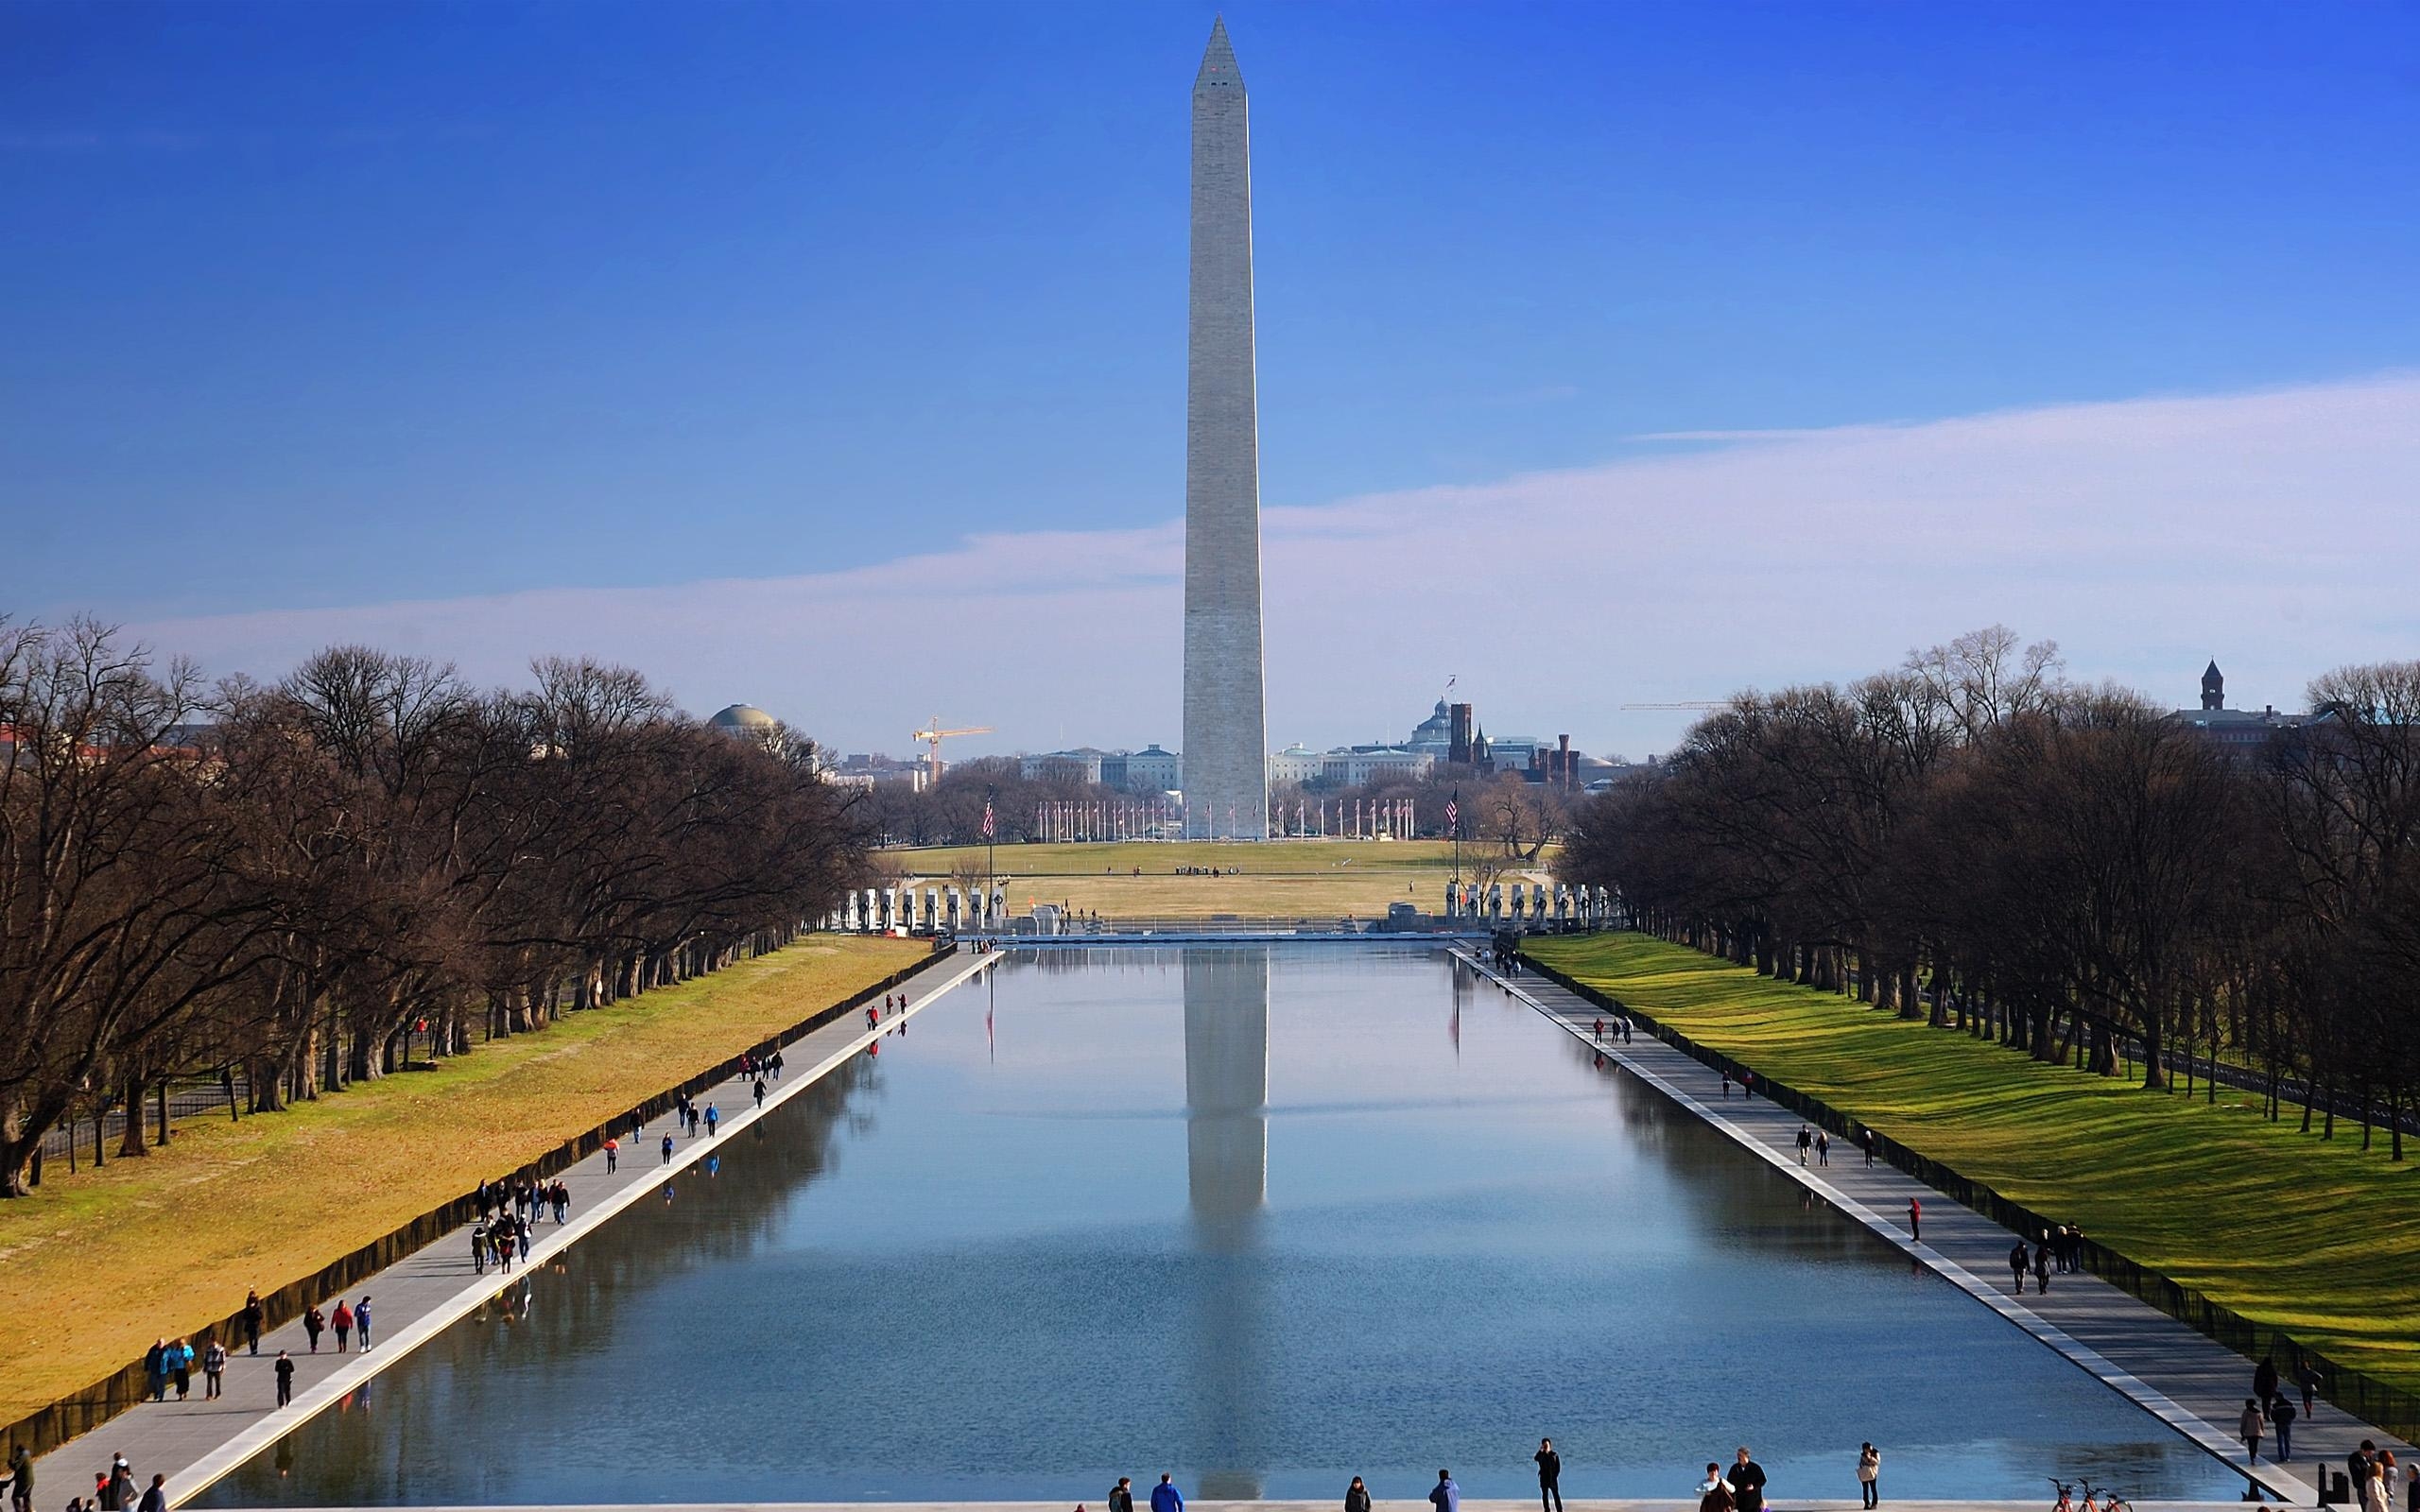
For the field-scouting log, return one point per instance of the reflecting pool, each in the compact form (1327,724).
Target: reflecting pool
(1265,1217)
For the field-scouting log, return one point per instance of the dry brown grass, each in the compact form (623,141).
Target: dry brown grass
(95,1265)
(1279,879)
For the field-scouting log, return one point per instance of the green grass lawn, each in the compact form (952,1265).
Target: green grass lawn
(97,1265)
(2316,1238)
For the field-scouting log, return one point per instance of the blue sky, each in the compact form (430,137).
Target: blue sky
(314,306)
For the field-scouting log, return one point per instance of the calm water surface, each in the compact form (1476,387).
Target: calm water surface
(1267,1218)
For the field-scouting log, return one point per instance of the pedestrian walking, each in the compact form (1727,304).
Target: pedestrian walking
(312,1321)
(2042,1264)
(121,1482)
(155,1497)
(713,1118)
(21,1479)
(1915,1220)
(1869,1474)
(285,1368)
(1549,1476)
(1356,1497)
(776,1064)
(1822,1146)
(2016,1263)
(254,1315)
(2247,1427)
(1726,1086)
(1805,1142)
(361,1321)
(1445,1496)
(520,1236)
(760,1095)
(1747,1483)
(214,1370)
(181,1366)
(1714,1494)
(2312,1381)
(668,1149)
(1865,1136)
(1596,1031)
(155,1369)
(1165,1496)
(479,1247)
(1121,1496)
(612,1152)
(341,1320)
(2281,1416)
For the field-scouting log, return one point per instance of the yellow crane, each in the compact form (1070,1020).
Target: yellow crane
(933,738)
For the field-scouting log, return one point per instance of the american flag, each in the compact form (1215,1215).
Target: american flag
(988,826)
(1453,812)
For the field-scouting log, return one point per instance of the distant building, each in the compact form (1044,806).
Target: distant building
(1353,766)
(1082,765)
(1148,770)
(744,719)
(2244,733)
(1434,734)
(869,768)
(1297,764)
(1461,729)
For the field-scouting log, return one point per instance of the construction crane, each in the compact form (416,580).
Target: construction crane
(1696,705)
(933,738)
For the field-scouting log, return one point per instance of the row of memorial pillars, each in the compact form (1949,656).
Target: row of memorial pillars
(1531,902)
(922,910)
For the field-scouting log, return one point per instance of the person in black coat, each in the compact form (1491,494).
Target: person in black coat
(1549,1476)
(1748,1483)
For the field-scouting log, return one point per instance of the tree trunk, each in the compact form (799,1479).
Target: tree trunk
(130,1143)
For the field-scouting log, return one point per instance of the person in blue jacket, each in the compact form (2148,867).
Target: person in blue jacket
(1165,1496)
(1445,1496)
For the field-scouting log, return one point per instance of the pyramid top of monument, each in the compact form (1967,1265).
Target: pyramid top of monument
(1219,70)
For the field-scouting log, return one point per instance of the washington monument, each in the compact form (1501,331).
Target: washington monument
(1226,762)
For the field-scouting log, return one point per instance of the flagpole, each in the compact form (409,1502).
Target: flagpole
(988,827)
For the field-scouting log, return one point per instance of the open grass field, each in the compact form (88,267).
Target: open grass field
(2319,1239)
(94,1266)
(1278,879)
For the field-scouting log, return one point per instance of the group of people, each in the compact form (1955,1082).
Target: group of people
(114,1489)
(346,1319)
(2271,1409)
(1619,1027)
(2373,1473)
(1742,1488)
(172,1361)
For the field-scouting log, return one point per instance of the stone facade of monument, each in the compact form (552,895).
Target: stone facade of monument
(1226,748)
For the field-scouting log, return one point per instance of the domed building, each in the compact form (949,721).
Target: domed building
(745,719)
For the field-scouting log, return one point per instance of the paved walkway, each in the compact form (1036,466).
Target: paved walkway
(195,1442)
(2186,1380)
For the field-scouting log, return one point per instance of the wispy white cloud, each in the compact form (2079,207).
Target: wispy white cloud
(2273,530)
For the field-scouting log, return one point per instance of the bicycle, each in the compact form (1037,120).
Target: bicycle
(2064,1502)
(2111,1501)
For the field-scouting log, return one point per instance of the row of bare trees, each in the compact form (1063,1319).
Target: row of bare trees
(295,884)
(1971,839)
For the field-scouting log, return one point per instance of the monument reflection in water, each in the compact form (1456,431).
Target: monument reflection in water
(1267,1218)
(1226,1139)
